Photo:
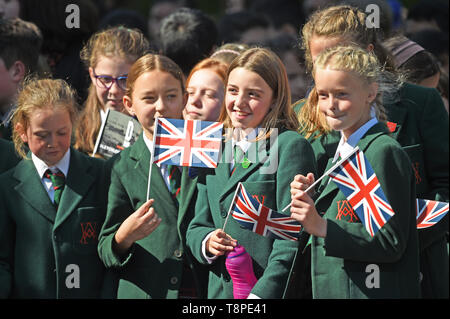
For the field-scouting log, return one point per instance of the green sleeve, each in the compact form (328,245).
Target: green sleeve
(351,240)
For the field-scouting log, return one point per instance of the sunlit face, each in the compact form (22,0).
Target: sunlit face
(48,134)
(344,99)
(248,98)
(115,67)
(155,94)
(206,92)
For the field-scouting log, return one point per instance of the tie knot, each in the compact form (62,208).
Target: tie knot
(58,179)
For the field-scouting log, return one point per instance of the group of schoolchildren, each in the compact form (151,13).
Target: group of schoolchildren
(105,237)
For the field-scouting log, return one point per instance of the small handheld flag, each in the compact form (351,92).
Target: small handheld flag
(429,212)
(326,174)
(262,220)
(357,180)
(187,142)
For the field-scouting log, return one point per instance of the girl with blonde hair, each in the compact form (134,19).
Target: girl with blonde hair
(52,204)
(346,87)
(256,110)
(415,117)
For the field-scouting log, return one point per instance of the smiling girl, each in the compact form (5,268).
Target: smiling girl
(345,96)
(257,108)
(145,240)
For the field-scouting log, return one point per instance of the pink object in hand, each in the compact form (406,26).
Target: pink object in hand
(239,265)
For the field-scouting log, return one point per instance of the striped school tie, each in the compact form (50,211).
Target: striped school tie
(174,181)
(59,181)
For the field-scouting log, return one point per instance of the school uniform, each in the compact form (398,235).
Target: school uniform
(267,178)
(419,122)
(47,252)
(344,260)
(154,266)
(8,157)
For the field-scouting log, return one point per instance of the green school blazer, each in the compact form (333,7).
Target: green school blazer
(46,253)
(348,262)
(269,183)
(153,266)
(420,123)
(8,157)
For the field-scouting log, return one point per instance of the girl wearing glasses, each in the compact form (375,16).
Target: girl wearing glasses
(108,55)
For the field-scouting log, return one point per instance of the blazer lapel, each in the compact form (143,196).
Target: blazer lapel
(240,173)
(327,186)
(78,182)
(32,191)
(188,187)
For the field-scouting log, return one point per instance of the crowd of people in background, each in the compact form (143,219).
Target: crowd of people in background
(191,59)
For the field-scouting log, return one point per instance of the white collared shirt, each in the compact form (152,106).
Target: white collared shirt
(41,167)
(244,144)
(345,147)
(162,168)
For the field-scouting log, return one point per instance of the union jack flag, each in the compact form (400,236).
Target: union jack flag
(357,180)
(262,220)
(187,142)
(429,212)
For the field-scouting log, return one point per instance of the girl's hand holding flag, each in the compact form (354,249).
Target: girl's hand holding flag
(219,243)
(302,205)
(304,211)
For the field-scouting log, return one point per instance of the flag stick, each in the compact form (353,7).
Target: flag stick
(232,202)
(326,173)
(151,158)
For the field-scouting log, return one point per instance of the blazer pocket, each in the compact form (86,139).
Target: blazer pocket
(415,154)
(86,228)
(263,191)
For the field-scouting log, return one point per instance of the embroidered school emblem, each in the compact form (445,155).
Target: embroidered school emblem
(346,210)
(88,232)
(260,198)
